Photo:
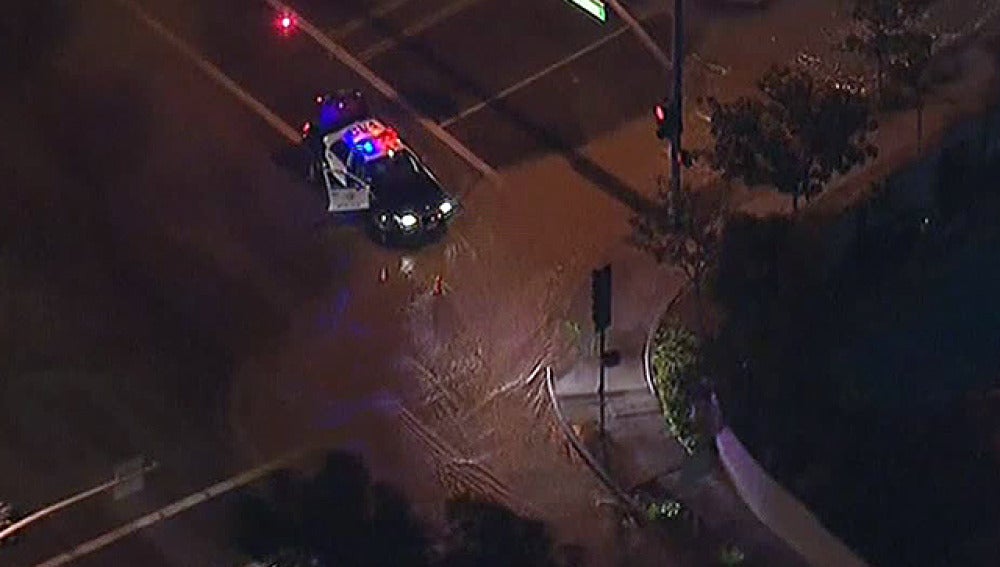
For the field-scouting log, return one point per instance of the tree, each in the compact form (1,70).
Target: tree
(267,523)
(802,132)
(908,67)
(878,24)
(683,230)
(484,534)
(341,517)
(337,517)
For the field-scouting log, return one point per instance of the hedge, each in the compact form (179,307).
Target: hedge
(674,360)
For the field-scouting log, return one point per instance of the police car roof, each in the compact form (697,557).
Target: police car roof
(339,110)
(384,139)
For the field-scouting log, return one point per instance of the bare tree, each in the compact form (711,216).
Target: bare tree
(908,68)
(683,230)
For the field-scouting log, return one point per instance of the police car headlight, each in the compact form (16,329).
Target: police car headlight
(407,221)
(446,207)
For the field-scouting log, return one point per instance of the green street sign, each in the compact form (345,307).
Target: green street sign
(593,7)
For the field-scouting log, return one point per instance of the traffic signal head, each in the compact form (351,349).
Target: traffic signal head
(285,22)
(665,123)
(601,297)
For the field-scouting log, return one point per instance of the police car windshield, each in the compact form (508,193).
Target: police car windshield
(395,168)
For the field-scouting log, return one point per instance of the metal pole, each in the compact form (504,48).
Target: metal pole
(52,509)
(600,384)
(640,33)
(678,62)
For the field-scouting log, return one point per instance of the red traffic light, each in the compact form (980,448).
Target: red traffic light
(285,22)
(661,114)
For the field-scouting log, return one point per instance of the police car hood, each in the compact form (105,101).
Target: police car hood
(418,192)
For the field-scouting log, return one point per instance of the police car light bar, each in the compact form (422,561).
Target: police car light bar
(373,139)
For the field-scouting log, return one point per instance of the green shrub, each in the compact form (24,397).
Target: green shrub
(668,509)
(674,361)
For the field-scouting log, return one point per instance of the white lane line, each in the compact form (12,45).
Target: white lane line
(177,507)
(389,92)
(531,79)
(415,29)
(380,11)
(212,71)
(644,15)
(642,35)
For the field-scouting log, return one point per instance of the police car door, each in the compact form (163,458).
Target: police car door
(343,191)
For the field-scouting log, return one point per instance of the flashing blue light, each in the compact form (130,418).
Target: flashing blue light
(328,116)
(368,147)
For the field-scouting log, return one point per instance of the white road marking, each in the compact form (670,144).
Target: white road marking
(528,80)
(642,35)
(380,11)
(389,92)
(177,507)
(646,14)
(212,71)
(415,29)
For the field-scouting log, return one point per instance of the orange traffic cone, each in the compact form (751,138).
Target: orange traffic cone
(438,285)
(383,274)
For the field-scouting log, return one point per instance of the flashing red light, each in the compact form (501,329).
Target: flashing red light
(660,114)
(285,23)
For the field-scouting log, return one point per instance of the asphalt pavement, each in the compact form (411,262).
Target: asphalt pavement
(427,52)
(191,302)
(160,253)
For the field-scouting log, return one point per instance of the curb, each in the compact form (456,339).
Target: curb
(631,506)
(739,486)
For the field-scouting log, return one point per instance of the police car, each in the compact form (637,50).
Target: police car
(364,165)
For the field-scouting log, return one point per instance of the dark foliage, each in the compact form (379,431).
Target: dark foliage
(801,133)
(484,534)
(885,30)
(682,230)
(341,517)
(863,391)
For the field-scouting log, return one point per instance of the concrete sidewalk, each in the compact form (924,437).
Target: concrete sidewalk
(636,449)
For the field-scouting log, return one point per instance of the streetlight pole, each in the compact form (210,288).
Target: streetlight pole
(14,528)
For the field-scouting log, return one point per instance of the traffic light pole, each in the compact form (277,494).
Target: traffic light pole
(678,115)
(601,379)
(640,33)
(600,293)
